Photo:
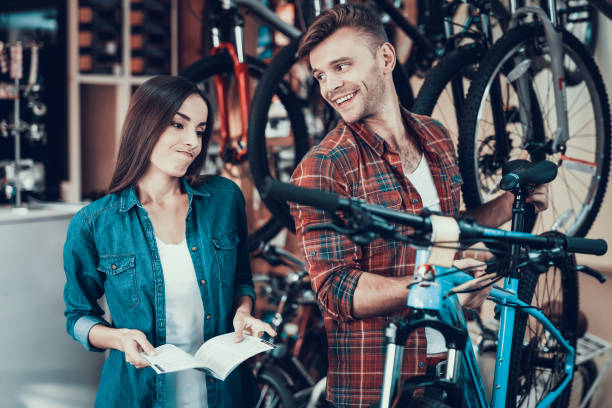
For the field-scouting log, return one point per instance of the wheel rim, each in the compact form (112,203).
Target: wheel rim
(580,166)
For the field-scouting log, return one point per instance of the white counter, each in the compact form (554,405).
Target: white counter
(41,365)
(9,215)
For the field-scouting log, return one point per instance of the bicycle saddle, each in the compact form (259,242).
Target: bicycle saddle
(521,173)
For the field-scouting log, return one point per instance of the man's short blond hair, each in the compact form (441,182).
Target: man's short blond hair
(357,16)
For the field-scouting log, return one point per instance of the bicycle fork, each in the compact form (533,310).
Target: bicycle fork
(554,40)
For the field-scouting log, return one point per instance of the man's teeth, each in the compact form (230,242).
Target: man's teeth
(345,98)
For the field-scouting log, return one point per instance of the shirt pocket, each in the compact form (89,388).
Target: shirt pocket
(121,285)
(225,246)
(386,195)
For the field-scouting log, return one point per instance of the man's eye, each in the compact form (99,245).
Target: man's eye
(176,125)
(342,67)
(319,77)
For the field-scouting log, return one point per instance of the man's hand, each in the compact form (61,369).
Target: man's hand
(247,324)
(132,343)
(472,300)
(539,198)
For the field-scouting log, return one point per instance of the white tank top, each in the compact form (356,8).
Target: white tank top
(184,320)
(423,182)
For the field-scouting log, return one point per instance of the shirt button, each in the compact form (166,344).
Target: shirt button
(415,201)
(203,282)
(207,317)
(421,364)
(194,248)
(113,267)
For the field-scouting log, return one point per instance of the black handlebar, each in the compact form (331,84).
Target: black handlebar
(469,230)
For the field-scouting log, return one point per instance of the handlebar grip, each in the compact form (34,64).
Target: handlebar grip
(586,246)
(300,195)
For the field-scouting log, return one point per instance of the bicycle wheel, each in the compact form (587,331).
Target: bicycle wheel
(275,392)
(259,148)
(491,135)
(584,377)
(443,93)
(537,360)
(279,127)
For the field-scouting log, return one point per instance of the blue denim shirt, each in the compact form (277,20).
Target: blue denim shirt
(111,250)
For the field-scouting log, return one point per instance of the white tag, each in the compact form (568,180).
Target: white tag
(445,230)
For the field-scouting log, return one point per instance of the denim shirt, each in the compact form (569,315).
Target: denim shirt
(111,250)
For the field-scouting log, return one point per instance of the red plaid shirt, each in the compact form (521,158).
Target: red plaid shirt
(354,162)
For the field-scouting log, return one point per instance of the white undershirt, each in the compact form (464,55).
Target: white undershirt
(184,319)
(423,182)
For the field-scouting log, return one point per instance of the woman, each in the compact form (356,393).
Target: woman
(168,250)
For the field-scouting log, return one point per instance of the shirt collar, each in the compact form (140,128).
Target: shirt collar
(129,198)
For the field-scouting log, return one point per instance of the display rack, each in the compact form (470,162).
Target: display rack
(11,62)
(88,95)
(590,347)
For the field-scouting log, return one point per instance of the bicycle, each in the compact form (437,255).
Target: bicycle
(443,93)
(300,358)
(535,359)
(227,76)
(520,99)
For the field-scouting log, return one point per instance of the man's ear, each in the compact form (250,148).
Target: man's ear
(387,52)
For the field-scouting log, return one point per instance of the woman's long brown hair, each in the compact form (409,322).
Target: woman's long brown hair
(151,110)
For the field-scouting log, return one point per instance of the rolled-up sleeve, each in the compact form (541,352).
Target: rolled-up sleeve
(332,259)
(84,284)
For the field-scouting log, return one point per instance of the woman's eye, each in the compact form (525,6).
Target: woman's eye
(200,133)
(176,125)
(342,67)
(319,77)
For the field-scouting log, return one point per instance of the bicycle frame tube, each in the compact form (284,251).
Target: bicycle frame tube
(241,71)
(499,392)
(504,344)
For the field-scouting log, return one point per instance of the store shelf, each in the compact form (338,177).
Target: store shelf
(115,89)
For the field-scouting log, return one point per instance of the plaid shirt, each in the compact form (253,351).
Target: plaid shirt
(354,162)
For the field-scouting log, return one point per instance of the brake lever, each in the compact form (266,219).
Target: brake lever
(591,272)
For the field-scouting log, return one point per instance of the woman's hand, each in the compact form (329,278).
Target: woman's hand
(477,268)
(132,343)
(244,323)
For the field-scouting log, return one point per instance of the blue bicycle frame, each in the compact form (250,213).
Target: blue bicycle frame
(430,296)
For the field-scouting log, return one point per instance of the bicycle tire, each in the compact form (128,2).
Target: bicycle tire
(555,292)
(275,392)
(592,165)
(258,153)
(207,68)
(604,6)
(436,93)
(587,372)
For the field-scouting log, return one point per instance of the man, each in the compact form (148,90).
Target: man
(385,155)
